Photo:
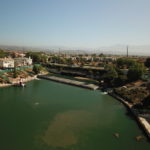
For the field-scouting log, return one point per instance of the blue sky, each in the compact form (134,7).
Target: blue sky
(74,23)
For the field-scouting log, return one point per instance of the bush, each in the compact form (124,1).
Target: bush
(125,62)
(37,69)
(147,62)
(136,72)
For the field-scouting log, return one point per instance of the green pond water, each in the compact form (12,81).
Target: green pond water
(47,115)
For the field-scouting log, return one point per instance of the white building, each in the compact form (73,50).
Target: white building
(23,61)
(6,63)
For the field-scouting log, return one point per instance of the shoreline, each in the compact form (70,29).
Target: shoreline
(142,122)
(69,82)
(16,82)
(2,85)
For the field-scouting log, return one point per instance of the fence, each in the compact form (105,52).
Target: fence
(18,68)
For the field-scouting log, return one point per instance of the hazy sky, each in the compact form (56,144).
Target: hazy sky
(74,23)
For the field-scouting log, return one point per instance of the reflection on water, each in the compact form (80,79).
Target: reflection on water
(64,130)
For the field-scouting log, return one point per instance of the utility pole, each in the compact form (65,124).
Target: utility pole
(59,51)
(127,51)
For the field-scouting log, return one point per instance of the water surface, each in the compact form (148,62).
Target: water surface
(51,116)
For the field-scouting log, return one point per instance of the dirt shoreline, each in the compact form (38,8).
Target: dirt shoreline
(5,85)
(2,85)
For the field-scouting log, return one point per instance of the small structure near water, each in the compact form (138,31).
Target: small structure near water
(21,83)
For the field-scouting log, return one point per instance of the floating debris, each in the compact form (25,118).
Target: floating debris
(36,103)
(116,135)
(139,138)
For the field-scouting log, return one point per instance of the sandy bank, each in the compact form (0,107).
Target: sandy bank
(5,85)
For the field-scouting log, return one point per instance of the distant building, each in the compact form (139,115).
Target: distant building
(110,59)
(18,54)
(23,61)
(6,63)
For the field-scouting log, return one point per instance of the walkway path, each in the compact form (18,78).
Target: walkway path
(71,82)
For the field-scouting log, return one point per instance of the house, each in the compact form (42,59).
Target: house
(6,63)
(22,61)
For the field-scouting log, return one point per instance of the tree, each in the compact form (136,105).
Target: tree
(38,57)
(3,54)
(63,61)
(120,62)
(121,80)
(37,69)
(110,74)
(69,61)
(125,62)
(136,72)
(44,59)
(146,102)
(15,75)
(147,62)
(101,55)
